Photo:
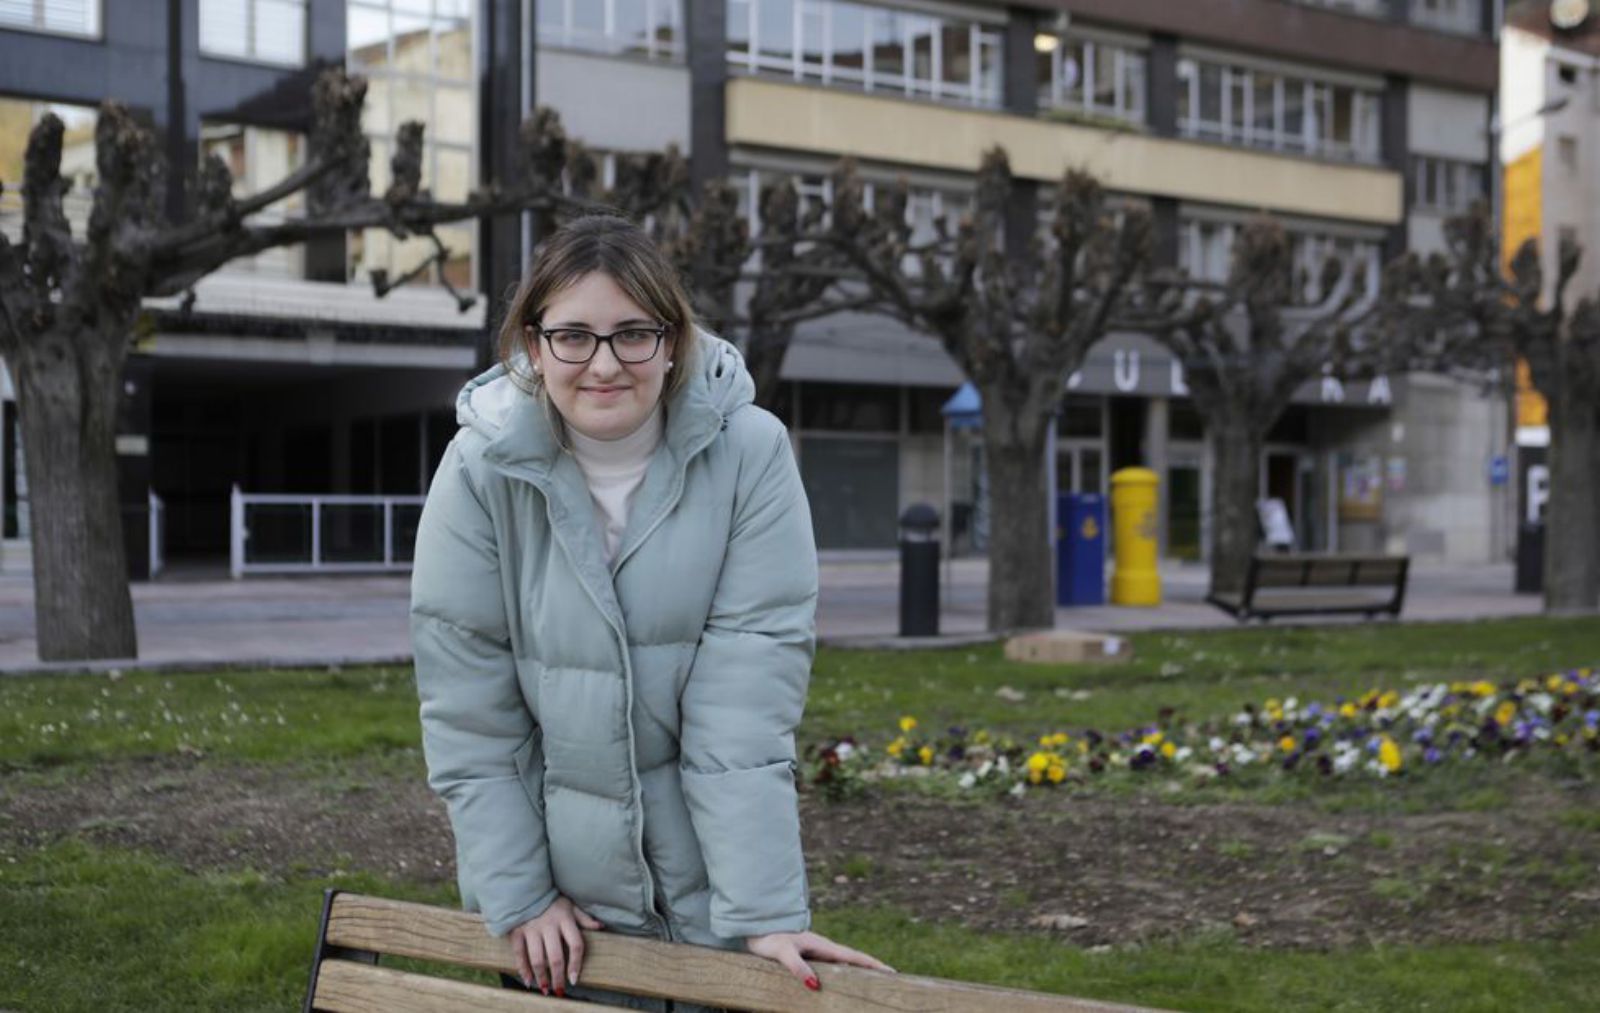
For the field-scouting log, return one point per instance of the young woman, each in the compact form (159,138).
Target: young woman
(612,612)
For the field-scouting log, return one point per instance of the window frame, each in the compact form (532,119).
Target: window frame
(252,56)
(383,141)
(1317,121)
(95,9)
(608,42)
(984,47)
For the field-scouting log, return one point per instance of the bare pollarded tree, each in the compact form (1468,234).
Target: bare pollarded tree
(1246,346)
(1017,326)
(1459,311)
(70,307)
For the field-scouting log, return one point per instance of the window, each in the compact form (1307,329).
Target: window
(1205,253)
(648,28)
(271,31)
(1567,153)
(1265,109)
(1097,78)
(258,158)
(58,17)
(924,205)
(1462,16)
(418,59)
(1449,185)
(17,118)
(854,45)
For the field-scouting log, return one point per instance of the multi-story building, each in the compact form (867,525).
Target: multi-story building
(1549,147)
(1360,124)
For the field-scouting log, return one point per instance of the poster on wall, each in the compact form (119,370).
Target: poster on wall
(1360,488)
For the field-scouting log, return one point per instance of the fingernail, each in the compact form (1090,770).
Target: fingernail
(813,984)
(545,989)
(560,993)
(572,977)
(527,983)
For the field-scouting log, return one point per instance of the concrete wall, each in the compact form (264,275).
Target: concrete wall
(615,103)
(818,120)
(1448,510)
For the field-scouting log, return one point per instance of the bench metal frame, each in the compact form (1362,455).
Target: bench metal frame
(1246,607)
(346,976)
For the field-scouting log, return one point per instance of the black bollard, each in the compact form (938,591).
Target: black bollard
(919,571)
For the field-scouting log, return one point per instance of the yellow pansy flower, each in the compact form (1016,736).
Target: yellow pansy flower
(1348,710)
(1388,699)
(1059,739)
(1553,683)
(895,748)
(1389,755)
(1057,773)
(1153,739)
(1482,688)
(925,754)
(907,723)
(1168,749)
(1504,713)
(1038,762)
(1286,743)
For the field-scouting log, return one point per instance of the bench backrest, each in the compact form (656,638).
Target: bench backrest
(356,930)
(1327,571)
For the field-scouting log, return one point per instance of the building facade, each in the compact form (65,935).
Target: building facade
(1360,124)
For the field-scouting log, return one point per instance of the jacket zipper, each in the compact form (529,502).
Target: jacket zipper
(657,906)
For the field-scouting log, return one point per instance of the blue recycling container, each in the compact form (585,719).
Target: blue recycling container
(1080,549)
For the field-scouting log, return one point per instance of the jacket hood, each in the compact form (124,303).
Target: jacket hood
(518,428)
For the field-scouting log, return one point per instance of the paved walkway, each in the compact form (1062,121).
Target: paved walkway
(200,618)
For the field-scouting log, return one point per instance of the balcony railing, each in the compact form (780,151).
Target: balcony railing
(279,533)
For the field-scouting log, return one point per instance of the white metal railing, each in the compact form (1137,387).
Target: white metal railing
(289,533)
(158,517)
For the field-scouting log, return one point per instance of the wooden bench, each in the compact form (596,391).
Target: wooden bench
(1310,584)
(357,930)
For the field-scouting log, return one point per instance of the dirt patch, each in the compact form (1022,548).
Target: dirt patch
(277,819)
(1090,869)
(1098,870)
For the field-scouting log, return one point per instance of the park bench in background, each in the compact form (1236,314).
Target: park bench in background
(356,930)
(1307,584)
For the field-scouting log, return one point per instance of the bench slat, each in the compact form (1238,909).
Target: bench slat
(673,970)
(344,986)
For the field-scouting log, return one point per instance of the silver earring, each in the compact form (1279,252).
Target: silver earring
(669,363)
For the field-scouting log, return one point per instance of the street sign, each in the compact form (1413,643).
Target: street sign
(1499,470)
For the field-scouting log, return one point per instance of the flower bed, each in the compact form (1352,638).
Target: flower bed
(1383,733)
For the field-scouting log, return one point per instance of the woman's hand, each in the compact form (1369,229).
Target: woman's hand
(538,946)
(791,948)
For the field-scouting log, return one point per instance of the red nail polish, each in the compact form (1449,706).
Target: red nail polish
(545,989)
(560,993)
(813,984)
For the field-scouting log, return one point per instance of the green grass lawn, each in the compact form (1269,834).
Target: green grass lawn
(86,927)
(307,715)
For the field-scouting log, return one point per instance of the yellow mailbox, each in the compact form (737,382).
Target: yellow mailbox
(1134,518)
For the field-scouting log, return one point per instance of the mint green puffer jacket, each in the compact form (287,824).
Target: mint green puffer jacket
(621,735)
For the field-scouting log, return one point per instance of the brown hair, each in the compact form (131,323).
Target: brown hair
(611,243)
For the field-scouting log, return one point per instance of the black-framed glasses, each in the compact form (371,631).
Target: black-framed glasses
(631,345)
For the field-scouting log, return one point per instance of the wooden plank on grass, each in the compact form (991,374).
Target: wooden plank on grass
(677,971)
(344,986)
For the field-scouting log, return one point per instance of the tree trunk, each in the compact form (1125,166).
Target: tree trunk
(1021,588)
(68,388)
(763,357)
(1571,583)
(1235,481)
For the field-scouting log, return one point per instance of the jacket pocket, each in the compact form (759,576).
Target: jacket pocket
(530,768)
